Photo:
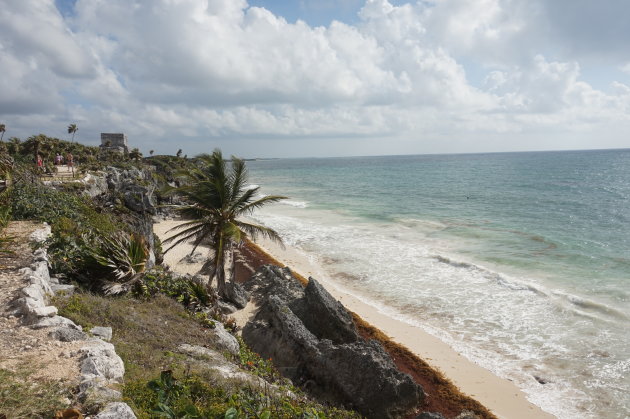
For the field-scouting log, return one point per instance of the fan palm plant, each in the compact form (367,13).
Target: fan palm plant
(124,256)
(217,197)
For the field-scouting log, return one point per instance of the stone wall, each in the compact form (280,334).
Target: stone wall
(100,366)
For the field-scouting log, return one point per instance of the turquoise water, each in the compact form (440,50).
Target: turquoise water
(520,261)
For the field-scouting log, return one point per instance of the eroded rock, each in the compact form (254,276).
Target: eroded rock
(116,411)
(312,340)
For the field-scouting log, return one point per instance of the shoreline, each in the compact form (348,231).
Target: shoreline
(500,396)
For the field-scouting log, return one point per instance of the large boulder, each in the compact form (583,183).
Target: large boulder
(223,340)
(324,316)
(116,410)
(365,376)
(335,366)
(236,294)
(277,333)
(273,280)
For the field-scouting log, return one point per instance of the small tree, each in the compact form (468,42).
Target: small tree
(151,152)
(72,128)
(179,153)
(3,129)
(135,154)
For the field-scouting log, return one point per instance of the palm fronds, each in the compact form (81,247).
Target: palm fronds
(123,255)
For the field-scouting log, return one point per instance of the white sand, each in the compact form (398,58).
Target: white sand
(175,255)
(501,396)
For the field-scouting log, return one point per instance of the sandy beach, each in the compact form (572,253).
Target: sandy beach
(501,396)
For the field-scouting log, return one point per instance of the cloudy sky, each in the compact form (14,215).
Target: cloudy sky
(280,78)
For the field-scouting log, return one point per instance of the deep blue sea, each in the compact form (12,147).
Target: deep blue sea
(520,261)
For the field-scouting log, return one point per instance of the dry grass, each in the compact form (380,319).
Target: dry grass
(145,333)
(23,397)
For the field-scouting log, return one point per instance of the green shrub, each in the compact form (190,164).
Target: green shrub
(192,295)
(193,397)
(254,363)
(123,255)
(79,229)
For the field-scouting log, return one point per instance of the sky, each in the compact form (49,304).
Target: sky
(317,78)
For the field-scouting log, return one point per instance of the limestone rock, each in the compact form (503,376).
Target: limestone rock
(66,334)
(357,374)
(117,410)
(40,236)
(367,377)
(467,414)
(429,415)
(273,280)
(104,333)
(33,291)
(224,340)
(48,311)
(226,308)
(324,316)
(40,255)
(235,293)
(214,361)
(54,322)
(100,359)
(63,288)
(26,305)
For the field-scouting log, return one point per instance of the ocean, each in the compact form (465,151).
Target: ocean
(519,261)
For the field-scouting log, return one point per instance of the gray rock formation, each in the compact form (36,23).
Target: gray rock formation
(223,340)
(104,333)
(215,362)
(236,294)
(467,414)
(273,280)
(429,415)
(67,334)
(324,316)
(116,411)
(324,355)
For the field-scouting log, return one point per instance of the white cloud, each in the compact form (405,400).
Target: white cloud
(169,69)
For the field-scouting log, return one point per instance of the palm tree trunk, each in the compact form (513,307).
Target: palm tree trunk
(219,265)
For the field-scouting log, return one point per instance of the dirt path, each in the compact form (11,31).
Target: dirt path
(25,350)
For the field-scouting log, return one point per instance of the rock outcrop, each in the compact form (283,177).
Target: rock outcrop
(313,341)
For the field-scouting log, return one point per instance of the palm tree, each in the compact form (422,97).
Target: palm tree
(72,128)
(14,145)
(3,129)
(217,196)
(151,152)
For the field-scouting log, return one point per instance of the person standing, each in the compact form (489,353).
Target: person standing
(70,162)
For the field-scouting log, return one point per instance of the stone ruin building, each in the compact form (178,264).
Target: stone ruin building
(114,142)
